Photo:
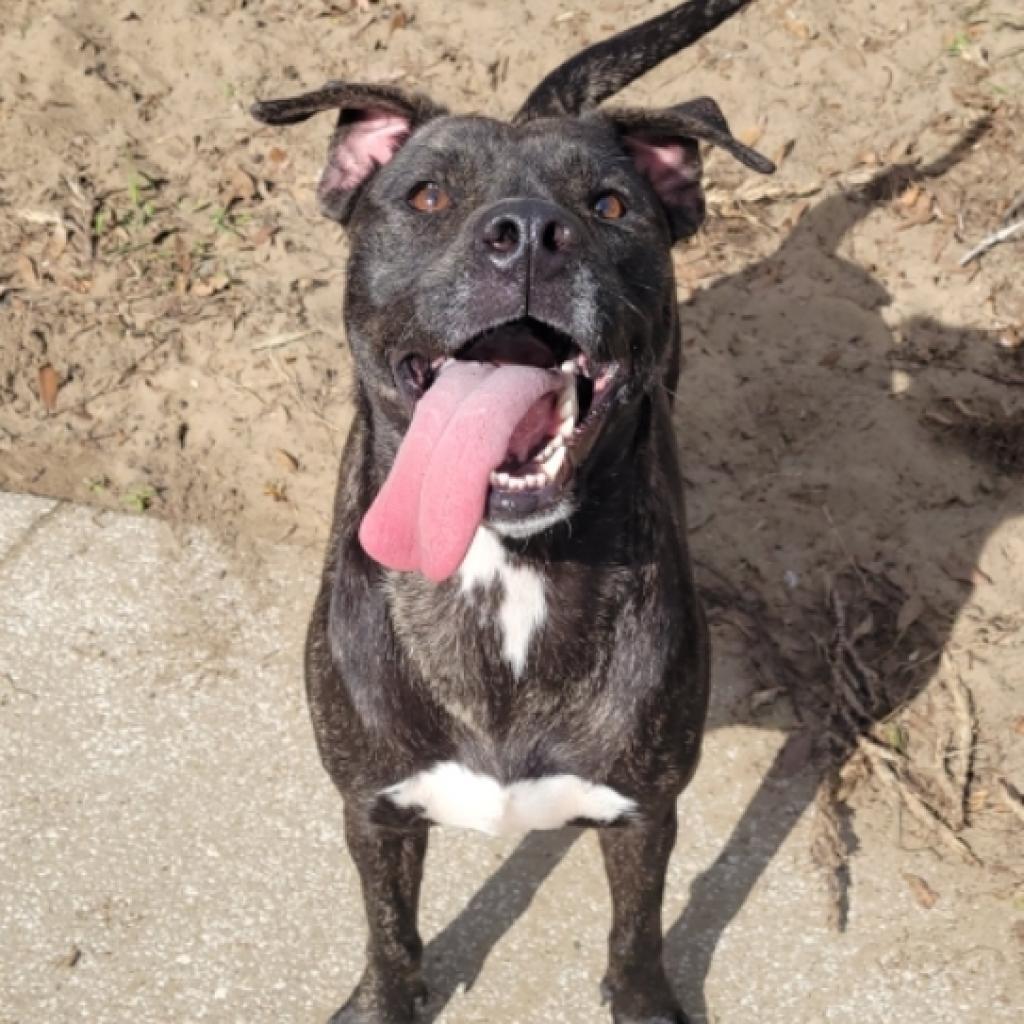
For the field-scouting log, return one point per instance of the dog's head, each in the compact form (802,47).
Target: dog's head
(543,242)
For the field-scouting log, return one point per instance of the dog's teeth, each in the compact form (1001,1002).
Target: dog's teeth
(567,427)
(550,448)
(569,366)
(554,463)
(538,480)
(567,408)
(516,483)
(584,365)
(503,479)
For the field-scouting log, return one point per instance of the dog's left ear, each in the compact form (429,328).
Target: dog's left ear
(374,122)
(664,146)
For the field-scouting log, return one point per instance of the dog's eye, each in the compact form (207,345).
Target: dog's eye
(610,206)
(429,197)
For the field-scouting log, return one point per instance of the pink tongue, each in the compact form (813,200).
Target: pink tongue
(434,498)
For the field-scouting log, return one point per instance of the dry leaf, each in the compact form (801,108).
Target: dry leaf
(921,212)
(979,576)
(783,151)
(799,28)
(925,895)
(760,698)
(211,285)
(182,256)
(263,235)
(58,243)
(399,20)
(1018,726)
(910,197)
(796,213)
(751,136)
(911,611)
(286,460)
(240,185)
(978,800)
(49,385)
(69,959)
(275,491)
(27,271)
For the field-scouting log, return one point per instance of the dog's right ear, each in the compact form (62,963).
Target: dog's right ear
(374,121)
(664,147)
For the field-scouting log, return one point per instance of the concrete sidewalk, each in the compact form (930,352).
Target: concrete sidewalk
(170,850)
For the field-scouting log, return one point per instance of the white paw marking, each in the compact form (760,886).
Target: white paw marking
(451,794)
(523,609)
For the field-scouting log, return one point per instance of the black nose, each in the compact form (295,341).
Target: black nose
(533,230)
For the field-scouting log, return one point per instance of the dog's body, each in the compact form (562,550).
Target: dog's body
(553,668)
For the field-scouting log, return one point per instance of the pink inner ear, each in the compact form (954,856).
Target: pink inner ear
(673,168)
(369,143)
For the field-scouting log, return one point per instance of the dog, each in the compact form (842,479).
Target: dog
(507,635)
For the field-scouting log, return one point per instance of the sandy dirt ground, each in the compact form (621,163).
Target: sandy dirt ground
(852,411)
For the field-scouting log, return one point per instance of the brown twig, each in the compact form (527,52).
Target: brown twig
(918,807)
(1011,798)
(963,748)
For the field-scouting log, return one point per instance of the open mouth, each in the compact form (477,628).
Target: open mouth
(555,436)
(498,434)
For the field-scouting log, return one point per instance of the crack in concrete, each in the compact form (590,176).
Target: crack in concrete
(22,543)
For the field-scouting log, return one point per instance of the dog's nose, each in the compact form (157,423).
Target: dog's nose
(529,229)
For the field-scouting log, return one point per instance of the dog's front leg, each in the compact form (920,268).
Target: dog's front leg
(635,858)
(390,864)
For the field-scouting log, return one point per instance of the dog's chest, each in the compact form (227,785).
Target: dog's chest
(485,624)
(518,598)
(449,793)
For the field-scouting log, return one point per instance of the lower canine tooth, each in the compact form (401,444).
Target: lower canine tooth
(567,427)
(554,464)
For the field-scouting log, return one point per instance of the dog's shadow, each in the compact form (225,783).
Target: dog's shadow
(454,958)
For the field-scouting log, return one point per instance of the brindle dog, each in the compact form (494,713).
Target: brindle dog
(507,636)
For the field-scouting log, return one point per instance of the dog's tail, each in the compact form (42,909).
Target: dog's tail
(600,71)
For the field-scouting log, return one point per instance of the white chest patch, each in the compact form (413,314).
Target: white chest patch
(451,794)
(524,605)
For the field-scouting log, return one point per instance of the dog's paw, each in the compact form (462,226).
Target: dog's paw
(643,1004)
(382,1004)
